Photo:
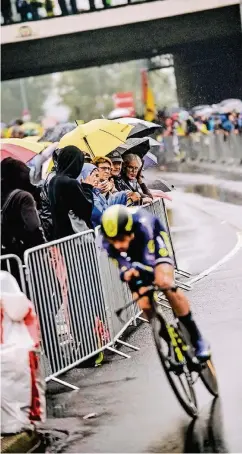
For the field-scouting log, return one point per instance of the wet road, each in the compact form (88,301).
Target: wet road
(136,409)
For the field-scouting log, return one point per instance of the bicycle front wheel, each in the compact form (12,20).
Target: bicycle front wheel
(209,377)
(179,378)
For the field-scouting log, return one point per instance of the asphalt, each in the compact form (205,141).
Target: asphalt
(135,408)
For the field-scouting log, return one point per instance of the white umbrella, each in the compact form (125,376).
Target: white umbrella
(230,105)
(118,114)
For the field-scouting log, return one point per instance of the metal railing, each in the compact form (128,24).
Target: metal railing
(66,289)
(213,148)
(13,264)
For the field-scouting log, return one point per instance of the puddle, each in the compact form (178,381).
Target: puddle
(215,192)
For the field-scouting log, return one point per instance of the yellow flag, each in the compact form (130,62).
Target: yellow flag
(150,109)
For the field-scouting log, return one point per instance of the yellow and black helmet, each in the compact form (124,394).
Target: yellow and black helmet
(117,220)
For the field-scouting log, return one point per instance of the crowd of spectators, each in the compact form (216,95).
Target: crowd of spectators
(73,196)
(29,10)
(184,123)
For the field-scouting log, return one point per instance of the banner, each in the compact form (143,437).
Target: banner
(124,100)
(148,98)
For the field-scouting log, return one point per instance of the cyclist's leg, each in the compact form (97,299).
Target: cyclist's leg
(164,278)
(144,303)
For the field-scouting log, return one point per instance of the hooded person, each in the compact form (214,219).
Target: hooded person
(100,202)
(20,223)
(45,210)
(67,195)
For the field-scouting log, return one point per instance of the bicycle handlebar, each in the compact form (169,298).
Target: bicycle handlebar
(149,289)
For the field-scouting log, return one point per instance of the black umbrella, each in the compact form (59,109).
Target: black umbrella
(136,146)
(56,133)
(141,128)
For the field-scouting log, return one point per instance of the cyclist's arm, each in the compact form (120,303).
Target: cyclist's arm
(117,258)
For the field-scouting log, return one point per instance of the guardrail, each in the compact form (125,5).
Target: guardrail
(76,290)
(211,148)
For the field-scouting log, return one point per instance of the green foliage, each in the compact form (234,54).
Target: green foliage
(37,90)
(87,92)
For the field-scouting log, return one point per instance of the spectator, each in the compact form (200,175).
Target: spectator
(143,186)
(6,10)
(17,132)
(23,8)
(116,160)
(90,175)
(21,228)
(45,209)
(130,171)
(104,166)
(67,195)
(34,6)
(63,7)
(49,6)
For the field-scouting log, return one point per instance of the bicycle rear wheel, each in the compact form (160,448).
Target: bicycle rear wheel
(209,378)
(181,382)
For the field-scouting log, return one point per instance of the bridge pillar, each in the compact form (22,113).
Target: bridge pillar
(209,72)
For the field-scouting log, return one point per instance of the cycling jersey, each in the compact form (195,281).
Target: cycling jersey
(150,246)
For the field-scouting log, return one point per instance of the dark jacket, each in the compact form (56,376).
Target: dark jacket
(45,209)
(122,183)
(67,194)
(21,227)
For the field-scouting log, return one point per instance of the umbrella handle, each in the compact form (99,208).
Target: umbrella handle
(88,146)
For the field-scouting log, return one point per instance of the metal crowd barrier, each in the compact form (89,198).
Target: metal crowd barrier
(13,264)
(117,294)
(214,148)
(66,289)
(76,291)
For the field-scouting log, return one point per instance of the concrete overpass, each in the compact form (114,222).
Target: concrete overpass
(204,37)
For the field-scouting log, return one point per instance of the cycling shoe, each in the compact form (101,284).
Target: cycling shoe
(202,350)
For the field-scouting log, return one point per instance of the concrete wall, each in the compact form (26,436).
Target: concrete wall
(114,17)
(116,44)
(210,71)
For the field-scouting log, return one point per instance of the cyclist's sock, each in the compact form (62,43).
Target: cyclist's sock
(191,326)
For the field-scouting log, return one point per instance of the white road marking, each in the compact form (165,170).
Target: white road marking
(220,262)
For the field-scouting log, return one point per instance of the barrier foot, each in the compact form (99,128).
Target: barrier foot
(111,349)
(183,273)
(61,382)
(142,319)
(127,345)
(164,305)
(183,286)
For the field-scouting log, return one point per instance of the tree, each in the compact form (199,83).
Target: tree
(88,92)
(37,90)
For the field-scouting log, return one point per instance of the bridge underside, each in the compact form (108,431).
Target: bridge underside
(206,47)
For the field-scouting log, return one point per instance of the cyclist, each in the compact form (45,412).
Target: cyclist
(135,238)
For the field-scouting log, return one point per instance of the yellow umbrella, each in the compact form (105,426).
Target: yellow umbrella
(30,126)
(98,137)
(32,138)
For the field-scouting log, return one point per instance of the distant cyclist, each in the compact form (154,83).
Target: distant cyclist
(140,245)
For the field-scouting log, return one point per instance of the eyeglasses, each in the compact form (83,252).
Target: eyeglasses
(106,169)
(133,168)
